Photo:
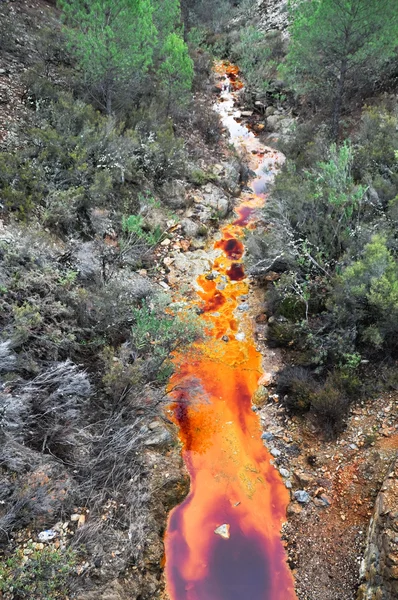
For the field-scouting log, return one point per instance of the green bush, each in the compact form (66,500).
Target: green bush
(31,573)
(158,330)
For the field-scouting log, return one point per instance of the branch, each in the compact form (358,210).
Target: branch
(257,270)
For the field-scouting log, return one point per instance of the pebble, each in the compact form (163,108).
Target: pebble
(243,307)
(275,452)
(284,472)
(75,517)
(302,496)
(223,531)
(267,436)
(47,535)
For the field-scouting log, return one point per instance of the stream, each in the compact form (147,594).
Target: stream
(223,542)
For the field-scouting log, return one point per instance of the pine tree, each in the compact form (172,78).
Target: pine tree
(176,70)
(113,41)
(335,42)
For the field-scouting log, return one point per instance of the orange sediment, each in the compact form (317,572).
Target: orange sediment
(232,480)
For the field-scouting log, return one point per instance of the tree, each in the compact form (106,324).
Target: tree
(113,41)
(334,43)
(372,281)
(167,17)
(176,70)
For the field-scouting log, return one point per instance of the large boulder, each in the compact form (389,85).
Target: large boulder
(230,177)
(87,262)
(174,194)
(214,203)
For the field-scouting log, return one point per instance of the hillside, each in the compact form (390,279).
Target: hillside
(198,300)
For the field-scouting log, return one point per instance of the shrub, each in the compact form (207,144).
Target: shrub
(297,388)
(158,330)
(32,573)
(329,406)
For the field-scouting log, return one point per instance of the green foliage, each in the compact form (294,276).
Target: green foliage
(160,329)
(258,55)
(76,158)
(373,280)
(318,210)
(31,573)
(176,70)
(121,46)
(167,18)
(334,45)
(375,153)
(21,186)
(133,227)
(113,42)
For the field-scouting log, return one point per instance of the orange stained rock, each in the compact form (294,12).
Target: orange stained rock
(232,480)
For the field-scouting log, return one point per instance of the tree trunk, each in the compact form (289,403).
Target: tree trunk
(338,99)
(108,94)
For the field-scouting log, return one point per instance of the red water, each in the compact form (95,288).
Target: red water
(232,480)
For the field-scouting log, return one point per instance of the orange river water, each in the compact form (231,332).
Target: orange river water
(233,482)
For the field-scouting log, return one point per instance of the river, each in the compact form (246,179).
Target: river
(223,542)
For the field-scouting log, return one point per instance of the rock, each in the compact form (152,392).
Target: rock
(100,221)
(81,521)
(302,496)
(262,318)
(379,569)
(191,265)
(275,452)
(273,122)
(260,396)
(75,517)
(87,262)
(294,509)
(266,379)
(190,228)
(284,472)
(269,111)
(244,307)
(303,478)
(47,535)
(230,177)
(174,194)
(223,531)
(267,436)
(215,200)
(4,95)
(112,591)
(225,338)
(286,126)
(272,276)
(154,218)
(288,484)
(159,439)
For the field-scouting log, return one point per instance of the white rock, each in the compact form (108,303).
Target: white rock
(223,531)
